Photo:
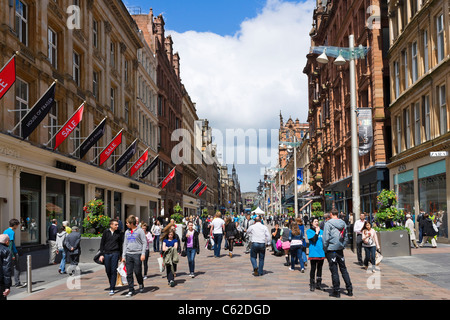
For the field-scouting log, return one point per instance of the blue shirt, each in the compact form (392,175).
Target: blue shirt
(11,234)
(170,243)
(315,249)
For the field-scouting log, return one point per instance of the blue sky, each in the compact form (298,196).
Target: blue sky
(241,63)
(222,17)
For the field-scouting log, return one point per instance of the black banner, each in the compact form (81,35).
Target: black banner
(365,130)
(128,154)
(193,184)
(92,139)
(150,168)
(36,114)
(202,185)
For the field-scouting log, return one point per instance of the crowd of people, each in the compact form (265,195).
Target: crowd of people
(301,241)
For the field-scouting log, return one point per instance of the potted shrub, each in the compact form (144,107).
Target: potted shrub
(178,218)
(94,223)
(317,210)
(388,220)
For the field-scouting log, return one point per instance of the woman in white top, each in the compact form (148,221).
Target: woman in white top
(156,232)
(412,231)
(217,227)
(370,244)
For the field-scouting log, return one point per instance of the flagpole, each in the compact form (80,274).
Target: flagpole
(17,125)
(106,146)
(45,144)
(136,160)
(15,55)
(122,154)
(104,119)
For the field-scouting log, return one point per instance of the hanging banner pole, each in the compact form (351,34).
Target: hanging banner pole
(17,125)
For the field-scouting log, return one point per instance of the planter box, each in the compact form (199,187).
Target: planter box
(89,248)
(394,243)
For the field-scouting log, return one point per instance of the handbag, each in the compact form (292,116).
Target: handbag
(278,244)
(378,258)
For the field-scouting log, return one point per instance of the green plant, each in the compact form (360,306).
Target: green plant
(177,217)
(388,214)
(317,210)
(95,222)
(205,213)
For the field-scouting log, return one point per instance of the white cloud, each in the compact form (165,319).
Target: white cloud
(243,81)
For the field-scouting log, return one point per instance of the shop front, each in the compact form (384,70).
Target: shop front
(422,186)
(36,189)
(372,181)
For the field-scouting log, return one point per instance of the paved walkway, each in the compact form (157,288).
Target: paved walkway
(424,275)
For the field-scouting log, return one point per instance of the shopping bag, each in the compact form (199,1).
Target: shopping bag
(211,240)
(119,282)
(162,267)
(122,270)
(279,244)
(378,258)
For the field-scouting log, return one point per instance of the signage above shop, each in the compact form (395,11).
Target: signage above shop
(66,166)
(439,154)
(134,186)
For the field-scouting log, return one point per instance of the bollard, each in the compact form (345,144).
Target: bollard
(29,282)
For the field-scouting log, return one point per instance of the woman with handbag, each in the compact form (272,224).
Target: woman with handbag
(230,233)
(370,244)
(285,243)
(191,247)
(296,239)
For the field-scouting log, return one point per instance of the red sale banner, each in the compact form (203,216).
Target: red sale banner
(7,76)
(139,163)
(106,153)
(69,126)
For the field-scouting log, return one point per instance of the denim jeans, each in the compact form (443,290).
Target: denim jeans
(191,259)
(370,255)
(217,243)
(258,249)
(296,254)
(62,265)
(336,260)
(134,265)
(156,243)
(111,261)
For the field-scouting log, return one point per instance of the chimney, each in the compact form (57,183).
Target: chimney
(169,49)
(176,64)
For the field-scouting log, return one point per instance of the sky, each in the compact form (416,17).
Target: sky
(242,63)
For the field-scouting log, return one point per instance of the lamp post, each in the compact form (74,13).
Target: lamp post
(350,54)
(294,145)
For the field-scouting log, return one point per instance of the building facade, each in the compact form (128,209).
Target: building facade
(286,179)
(329,103)
(419,57)
(95,63)
(169,105)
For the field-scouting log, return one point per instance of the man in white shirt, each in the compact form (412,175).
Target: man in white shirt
(218,228)
(260,238)
(357,230)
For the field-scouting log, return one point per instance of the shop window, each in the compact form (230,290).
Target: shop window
(433,194)
(55,201)
(30,208)
(77,202)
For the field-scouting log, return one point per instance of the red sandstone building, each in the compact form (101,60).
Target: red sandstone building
(169,104)
(329,103)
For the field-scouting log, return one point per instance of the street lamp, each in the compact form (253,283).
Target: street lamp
(294,145)
(342,55)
